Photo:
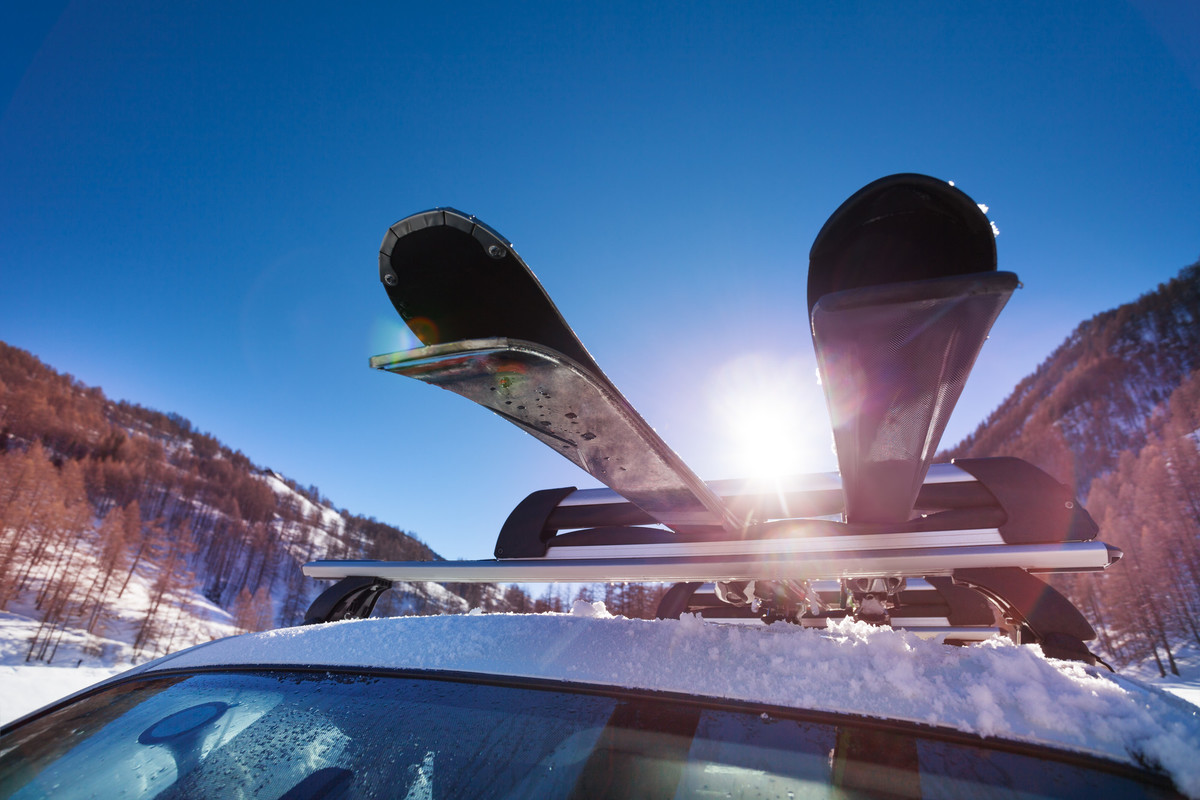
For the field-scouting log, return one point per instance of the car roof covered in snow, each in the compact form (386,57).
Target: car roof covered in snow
(996,689)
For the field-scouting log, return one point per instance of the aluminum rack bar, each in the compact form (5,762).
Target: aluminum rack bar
(786,485)
(797,544)
(1070,557)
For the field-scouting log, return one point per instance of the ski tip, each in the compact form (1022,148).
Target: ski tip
(488,238)
(900,228)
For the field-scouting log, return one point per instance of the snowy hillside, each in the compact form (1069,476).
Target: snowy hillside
(1100,392)
(1113,413)
(125,533)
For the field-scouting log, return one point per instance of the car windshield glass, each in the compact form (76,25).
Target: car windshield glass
(316,735)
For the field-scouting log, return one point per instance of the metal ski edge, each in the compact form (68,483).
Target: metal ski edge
(1068,557)
(433,353)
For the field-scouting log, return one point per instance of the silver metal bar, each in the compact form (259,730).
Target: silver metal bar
(779,565)
(796,545)
(787,484)
(966,634)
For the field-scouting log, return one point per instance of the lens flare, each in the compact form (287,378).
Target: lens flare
(424,329)
(389,335)
(771,415)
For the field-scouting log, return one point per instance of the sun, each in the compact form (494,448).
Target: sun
(771,418)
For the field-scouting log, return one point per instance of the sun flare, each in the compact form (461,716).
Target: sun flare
(772,418)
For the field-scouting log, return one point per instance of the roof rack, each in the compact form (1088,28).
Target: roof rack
(903,290)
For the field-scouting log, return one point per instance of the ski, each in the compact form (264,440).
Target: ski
(902,292)
(493,335)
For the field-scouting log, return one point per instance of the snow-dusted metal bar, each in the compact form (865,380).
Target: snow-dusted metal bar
(776,565)
(962,633)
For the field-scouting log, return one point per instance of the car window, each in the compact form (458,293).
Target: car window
(298,735)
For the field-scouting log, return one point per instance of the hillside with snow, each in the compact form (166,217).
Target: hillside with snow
(1114,413)
(1101,392)
(125,533)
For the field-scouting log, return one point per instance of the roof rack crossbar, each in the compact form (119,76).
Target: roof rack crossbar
(768,564)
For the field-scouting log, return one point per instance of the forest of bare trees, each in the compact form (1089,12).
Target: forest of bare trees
(1114,413)
(94,492)
(1149,506)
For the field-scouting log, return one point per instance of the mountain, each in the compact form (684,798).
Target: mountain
(1096,395)
(126,533)
(1114,412)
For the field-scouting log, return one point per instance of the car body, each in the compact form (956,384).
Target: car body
(586,704)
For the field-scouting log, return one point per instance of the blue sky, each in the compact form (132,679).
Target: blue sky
(192,197)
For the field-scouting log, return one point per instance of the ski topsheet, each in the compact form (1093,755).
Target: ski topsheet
(493,335)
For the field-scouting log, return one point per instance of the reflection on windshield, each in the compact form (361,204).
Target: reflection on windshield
(294,735)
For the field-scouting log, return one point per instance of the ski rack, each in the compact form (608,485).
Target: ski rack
(986,526)
(903,290)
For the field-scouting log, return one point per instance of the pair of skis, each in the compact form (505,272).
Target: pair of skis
(902,293)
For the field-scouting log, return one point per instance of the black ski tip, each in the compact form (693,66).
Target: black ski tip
(453,278)
(491,242)
(904,227)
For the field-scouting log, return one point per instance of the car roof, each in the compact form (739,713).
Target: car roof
(997,689)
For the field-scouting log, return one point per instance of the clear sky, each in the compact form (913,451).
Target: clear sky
(192,197)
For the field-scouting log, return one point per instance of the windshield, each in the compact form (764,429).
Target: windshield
(327,735)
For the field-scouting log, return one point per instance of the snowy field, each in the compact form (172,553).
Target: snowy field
(81,661)
(24,689)
(1185,685)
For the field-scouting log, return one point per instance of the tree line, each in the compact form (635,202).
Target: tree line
(1149,506)
(1113,413)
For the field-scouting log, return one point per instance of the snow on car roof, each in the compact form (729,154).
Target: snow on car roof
(996,689)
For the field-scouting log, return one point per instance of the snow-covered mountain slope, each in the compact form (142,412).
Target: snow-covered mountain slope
(125,532)
(1098,393)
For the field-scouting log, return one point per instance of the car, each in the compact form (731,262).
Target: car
(878,632)
(590,705)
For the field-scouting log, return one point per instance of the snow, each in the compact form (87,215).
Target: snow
(1185,685)
(996,689)
(24,689)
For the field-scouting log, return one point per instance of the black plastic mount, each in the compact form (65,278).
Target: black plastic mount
(526,531)
(1040,613)
(349,598)
(1039,508)
(674,604)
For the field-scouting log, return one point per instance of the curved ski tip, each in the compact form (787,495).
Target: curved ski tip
(489,239)
(899,228)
